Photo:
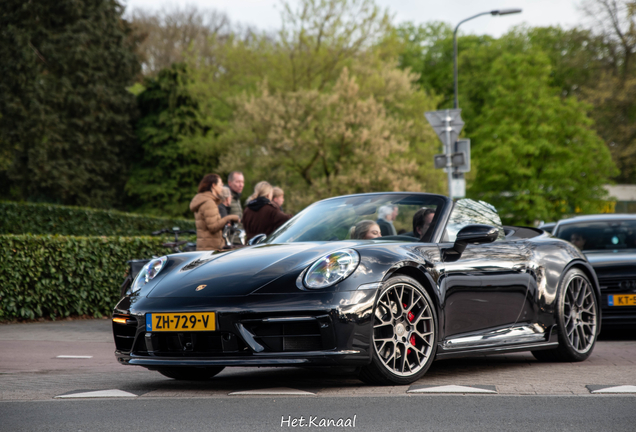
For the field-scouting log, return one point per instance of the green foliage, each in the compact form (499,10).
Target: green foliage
(55,276)
(65,113)
(353,138)
(22,218)
(427,49)
(536,154)
(289,118)
(176,153)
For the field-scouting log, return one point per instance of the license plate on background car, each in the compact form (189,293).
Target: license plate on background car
(622,300)
(197,321)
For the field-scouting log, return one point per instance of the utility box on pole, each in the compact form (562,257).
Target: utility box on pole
(463,146)
(447,125)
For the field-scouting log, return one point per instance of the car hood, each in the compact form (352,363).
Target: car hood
(240,272)
(611,258)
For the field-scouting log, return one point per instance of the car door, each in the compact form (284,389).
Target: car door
(484,290)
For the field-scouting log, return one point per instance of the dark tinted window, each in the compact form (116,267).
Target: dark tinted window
(600,235)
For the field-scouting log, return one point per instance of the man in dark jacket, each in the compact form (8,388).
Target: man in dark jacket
(236,182)
(261,216)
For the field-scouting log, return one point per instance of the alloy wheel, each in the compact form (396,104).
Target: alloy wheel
(579,314)
(403,330)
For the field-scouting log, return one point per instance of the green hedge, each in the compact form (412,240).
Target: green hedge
(23,218)
(57,276)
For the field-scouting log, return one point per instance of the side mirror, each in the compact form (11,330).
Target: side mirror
(256,239)
(471,234)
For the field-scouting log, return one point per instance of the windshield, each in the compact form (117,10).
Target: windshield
(364,217)
(600,235)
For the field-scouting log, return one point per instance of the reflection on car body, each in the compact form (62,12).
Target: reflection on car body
(311,295)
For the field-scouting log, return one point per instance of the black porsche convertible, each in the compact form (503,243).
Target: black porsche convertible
(310,294)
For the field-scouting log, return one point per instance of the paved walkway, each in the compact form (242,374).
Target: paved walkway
(31,370)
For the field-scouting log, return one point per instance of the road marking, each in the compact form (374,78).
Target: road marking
(274,391)
(452,389)
(98,394)
(611,389)
(73,357)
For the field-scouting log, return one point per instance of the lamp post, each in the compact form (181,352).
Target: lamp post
(494,13)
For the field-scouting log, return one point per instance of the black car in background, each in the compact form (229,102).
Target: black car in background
(609,242)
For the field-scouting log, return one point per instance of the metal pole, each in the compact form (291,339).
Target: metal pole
(493,13)
(448,151)
(456,90)
(456,102)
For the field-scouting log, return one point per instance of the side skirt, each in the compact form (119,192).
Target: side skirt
(496,350)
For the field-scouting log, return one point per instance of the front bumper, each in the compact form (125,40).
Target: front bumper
(309,328)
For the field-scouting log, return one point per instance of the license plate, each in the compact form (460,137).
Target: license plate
(197,321)
(622,300)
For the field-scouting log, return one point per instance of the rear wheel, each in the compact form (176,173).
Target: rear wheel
(404,334)
(191,373)
(577,320)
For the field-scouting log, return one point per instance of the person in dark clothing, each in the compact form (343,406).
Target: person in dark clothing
(421,222)
(236,182)
(386,216)
(226,202)
(261,216)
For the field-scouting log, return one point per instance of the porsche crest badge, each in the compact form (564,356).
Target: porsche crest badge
(200,287)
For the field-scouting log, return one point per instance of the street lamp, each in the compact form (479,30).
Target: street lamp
(494,13)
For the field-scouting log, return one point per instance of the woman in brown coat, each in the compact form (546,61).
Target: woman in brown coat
(208,221)
(261,216)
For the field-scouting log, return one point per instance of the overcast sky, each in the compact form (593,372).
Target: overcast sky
(265,14)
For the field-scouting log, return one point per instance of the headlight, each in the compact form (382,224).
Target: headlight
(332,268)
(148,273)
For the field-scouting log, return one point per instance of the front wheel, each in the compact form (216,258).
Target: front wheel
(191,373)
(404,334)
(577,320)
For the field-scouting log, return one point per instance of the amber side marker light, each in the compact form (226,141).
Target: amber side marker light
(119,320)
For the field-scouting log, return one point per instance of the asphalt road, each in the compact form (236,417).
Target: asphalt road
(527,395)
(413,413)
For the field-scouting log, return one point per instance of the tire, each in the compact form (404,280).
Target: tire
(577,319)
(191,373)
(404,334)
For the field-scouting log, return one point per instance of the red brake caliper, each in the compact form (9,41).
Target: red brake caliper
(411,317)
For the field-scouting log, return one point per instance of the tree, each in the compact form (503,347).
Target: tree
(176,153)
(537,155)
(614,93)
(320,144)
(319,40)
(65,113)
(169,34)
(428,50)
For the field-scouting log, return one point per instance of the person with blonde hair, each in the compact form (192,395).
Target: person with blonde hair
(365,230)
(278,197)
(225,207)
(261,216)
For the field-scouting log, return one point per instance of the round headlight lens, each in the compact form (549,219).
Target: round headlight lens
(332,268)
(148,273)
